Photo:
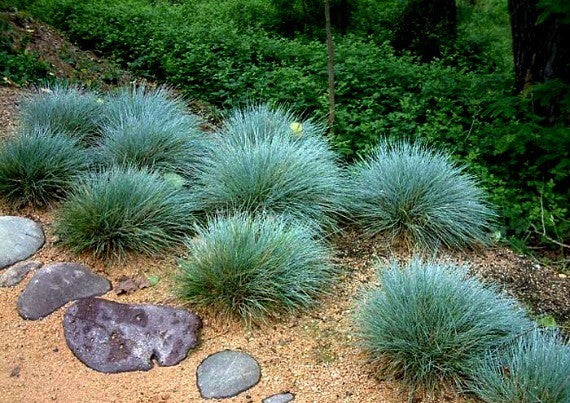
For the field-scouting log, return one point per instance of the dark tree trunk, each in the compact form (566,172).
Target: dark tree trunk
(541,50)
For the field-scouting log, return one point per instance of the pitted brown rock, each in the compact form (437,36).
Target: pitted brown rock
(112,337)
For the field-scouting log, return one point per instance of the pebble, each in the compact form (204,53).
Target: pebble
(20,238)
(111,337)
(16,273)
(279,398)
(57,284)
(226,374)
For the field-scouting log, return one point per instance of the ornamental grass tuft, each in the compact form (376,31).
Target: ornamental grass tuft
(428,324)
(122,210)
(535,368)
(281,173)
(38,166)
(258,122)
(64,109)
(255,268)
(419,196)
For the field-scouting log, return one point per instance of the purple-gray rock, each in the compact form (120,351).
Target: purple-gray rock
(20,238)
(16,273)
(55,285)
(279,398)
(227,374)
(112,337)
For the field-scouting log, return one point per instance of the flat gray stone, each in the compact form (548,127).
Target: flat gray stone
(16,273)
(55,285)
(20,238)
(112,337)
(227,374)
(279,398)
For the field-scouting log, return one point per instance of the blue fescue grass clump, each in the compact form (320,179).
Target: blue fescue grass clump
(65,109)
(261,121)
(283,173)
(141,102)
(171,146)
(121,210)
(38,166)
(255,268)
(419,196)
(150,128)
(535,368)
(428,324)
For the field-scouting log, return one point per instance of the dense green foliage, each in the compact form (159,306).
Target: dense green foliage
(149,129)
(231,52)
(39,166)
(272,169)
(113,212)
(65,109)
(535,368)
(430,323)
(255,268)
(419,196)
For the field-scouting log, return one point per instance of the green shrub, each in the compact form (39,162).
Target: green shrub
(150,141)
(65,109)
(420,196)
(429,324)
(284,173)
(38,166)
(123,210)
(255,268)
(535,368)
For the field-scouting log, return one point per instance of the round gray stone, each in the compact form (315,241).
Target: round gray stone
(20,238)
(112,337)
(227,374)
(280,398)
(55,285)
(16,273)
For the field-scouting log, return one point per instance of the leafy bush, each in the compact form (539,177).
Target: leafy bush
(535,368)
(254,268)
(419,195)
(282,173)
(38,166)
(66,109)
(430,323)
(121,210)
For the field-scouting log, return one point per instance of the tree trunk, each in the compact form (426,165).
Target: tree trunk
(330,66)
(541,50)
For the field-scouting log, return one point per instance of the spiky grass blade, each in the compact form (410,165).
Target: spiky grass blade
(63,109)
(534,368)
(38,166)
(428,324)
(254,268)
(419,195)
(123,210)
